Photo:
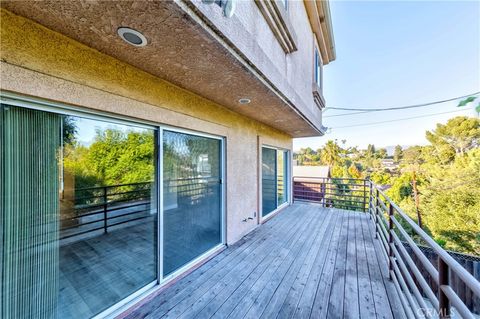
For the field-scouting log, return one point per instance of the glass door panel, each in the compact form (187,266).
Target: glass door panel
(274,179)
(282,190)
(269,180)
(192,198)
(79,212)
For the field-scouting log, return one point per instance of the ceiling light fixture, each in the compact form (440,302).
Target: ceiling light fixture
(132,37)
(244,101)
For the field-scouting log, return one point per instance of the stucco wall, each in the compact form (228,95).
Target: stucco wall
(42,63)
(292,73)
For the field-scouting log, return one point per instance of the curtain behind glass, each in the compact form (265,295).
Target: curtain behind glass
(78,214)
(192,198)
(30,141)
(269,180)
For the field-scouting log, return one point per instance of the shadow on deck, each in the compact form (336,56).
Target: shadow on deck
(307,262)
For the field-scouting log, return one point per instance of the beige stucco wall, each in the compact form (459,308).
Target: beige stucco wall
(39,62)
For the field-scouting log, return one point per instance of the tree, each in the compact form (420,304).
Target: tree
(460,134)
(381,153)
(115,157)
(413,159)
(370,150)
(398,154)
(354,172)
(330,153)
(451,203)
(469,100)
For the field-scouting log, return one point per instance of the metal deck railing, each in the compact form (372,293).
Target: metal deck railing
(404,246)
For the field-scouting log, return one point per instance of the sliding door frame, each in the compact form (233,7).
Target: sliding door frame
(162,280)
(286,181)
(40,104)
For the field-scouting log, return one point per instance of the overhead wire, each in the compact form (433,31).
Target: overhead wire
(399,107)
(397,120)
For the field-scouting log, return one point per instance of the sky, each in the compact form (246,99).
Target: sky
(86,129)
(395,53)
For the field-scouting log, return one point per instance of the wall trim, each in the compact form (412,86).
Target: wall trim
(277,18)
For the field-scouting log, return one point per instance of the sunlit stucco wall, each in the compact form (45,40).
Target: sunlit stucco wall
(38,62)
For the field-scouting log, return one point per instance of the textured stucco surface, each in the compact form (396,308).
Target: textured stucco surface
(42,63)
(181,50)
(292,73)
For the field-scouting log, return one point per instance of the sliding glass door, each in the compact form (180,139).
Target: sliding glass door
(274,179)
(269,180)
(192,197)
(80,226)
(78,212)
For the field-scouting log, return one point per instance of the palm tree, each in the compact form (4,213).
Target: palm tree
(330,153)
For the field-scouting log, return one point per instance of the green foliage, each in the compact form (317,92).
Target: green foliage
(446,172)
(115,157)
(381,177)
(460,134)
(468,100)
(398,154)
(330,153)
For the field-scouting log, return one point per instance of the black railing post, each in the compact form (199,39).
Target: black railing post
(364,195)
(377,199)
(370,199)
(105,222)
(323,190)
(390,240)
(443,280)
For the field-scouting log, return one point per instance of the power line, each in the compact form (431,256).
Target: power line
(400,107)
(396,120)
(346,114)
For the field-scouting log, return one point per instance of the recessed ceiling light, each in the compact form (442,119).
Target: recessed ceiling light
(132,37)
(244,101)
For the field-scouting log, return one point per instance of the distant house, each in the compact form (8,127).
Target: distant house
(309,182)
(389,164)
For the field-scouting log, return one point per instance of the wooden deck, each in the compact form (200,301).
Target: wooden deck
(306,262)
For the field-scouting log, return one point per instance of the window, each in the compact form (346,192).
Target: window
(317,69)
(274,179)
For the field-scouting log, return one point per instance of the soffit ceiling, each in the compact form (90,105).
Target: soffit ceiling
(179,50)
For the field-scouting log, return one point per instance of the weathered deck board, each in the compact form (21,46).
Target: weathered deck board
(306,262)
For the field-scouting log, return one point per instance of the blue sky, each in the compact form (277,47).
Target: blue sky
(394,53)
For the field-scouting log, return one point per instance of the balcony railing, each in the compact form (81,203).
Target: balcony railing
(342,193)
(403,241)
(99,209)
(103,207)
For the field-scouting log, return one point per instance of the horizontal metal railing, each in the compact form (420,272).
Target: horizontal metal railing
(342,193)
(100,208)
(403,244)
(397,232)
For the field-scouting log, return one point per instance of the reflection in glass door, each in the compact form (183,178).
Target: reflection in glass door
(282,185)
(78,212)
(274,179)
(269,180)
(192,198)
